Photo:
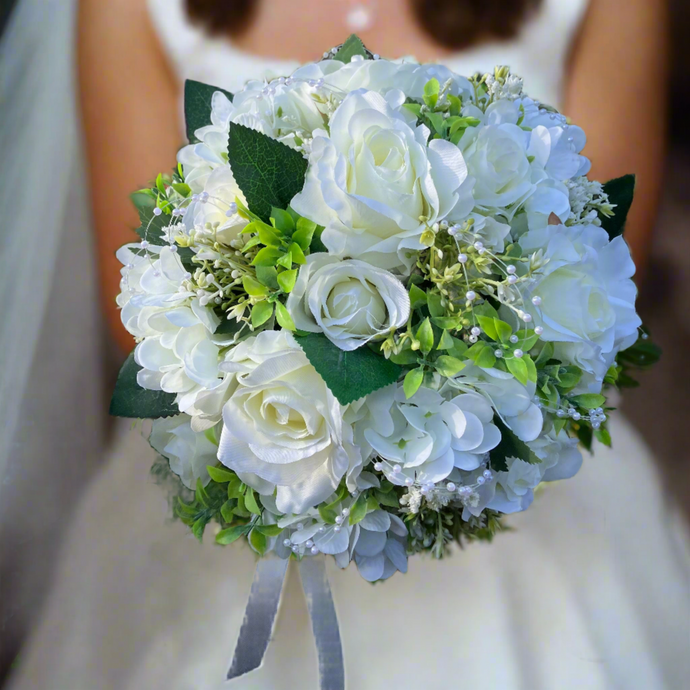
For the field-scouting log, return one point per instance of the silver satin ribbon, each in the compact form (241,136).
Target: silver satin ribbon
(262,608)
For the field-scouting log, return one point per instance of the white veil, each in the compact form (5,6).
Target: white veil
(50,345)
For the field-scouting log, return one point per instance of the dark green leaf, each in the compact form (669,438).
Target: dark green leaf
(226,510)
(509,447)
(621,192)
(387,499)
(228,326)
(131,400)
(358,510)
(353,46)
(197,106)
(199,526)
(328,514)
(151,228)
(349,375)
(268,172)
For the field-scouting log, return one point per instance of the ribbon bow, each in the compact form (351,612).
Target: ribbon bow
(262,609)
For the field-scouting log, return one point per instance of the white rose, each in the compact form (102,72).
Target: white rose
(427,436)
(283,428)
(222,190)
(201,159)
(373,177)
(587,295)
(513,401)
(497,159)
(188,452)
(350,301)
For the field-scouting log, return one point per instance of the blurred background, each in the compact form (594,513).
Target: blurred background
(658,408)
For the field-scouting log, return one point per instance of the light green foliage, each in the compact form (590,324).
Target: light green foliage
(413,380)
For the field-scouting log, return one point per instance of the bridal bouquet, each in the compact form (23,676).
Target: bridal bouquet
(375,306)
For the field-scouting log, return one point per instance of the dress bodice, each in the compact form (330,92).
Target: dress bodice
(538,54)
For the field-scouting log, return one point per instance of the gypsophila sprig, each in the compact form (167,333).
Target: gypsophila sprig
(375,306)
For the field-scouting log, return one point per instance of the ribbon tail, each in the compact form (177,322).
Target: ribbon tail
(324,622)
(260,616)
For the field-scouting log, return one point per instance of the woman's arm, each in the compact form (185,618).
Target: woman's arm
(129,108)
(617,92)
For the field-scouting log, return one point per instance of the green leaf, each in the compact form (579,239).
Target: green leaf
(589,401)
(621,192)
(406,357)
(267,276)
(389,499)
(642,354)
(449,366)
(286,280)
(199,526)
(518,369)
(268,236)
(235,488)
(304,233)
(531,368)
(413,380)
(349,375)
(434,302)
(261,312)
(586,435)
(487,324)
(220,474)
(283,221)
(226,510)
(131,400)
(358,510)
(414,108)
(258,541)
(151,228)
(486,359)
(285,261)
(197,106)
(431,92)
(546,353)
(268,256)
(328,514)
(603,436)
(568,378)
(182,189)
(503,330)
(268,172)
(437,122)
(253,287)
(231,534)
(297,254)
(283,317)
(425,335)
(445,342)
(269,530)
(417,296)
(446,322)
(509,447)
(250,502)
(352,46)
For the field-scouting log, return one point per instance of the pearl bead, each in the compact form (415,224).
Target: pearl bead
(473,339)
(577,416)
(144,244)
(286,542)
(478,245)
(295,549)
(512,280)
(346,511)
(157,211)
(596,425)
(378,466)
(599,410)
(300,526)
(511,269)
(309,543)
(536,300)
(314,550)
(322,529)
(408,482)
(538,330)
(476,330)
(397,469)
(514,338)
(480,480)
(339,520)
(498,354)
(156,274)
(462,258)
(471,295)
(337,528)
(450,486)
(518,353)
(561,413)
(325,55)
(204,197)
(488,475)
(526,317)
(173,248)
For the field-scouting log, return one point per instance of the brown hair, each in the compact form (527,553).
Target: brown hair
(454,24)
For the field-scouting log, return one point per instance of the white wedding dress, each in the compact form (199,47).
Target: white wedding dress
(591,591)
